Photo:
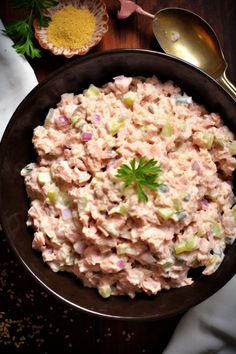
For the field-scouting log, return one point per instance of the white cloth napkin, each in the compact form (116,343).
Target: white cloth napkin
(17,79)
(208,328)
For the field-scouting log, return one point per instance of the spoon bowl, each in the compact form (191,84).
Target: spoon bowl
(186,35)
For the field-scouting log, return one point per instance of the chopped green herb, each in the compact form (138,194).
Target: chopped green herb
(22,31)
(143,173)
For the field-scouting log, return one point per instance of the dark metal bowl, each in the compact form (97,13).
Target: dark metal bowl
(17,150)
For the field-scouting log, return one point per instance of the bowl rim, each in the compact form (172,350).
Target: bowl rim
(2,221)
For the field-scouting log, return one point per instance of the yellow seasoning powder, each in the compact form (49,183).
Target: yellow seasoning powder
(71,27)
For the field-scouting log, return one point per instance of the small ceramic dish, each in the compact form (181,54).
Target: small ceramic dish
(96,7)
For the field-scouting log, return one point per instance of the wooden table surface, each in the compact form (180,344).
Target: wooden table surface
(32,321)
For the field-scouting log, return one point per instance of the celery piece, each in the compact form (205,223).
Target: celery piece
(44,177)
(217,230)
(212,259)
(53,195)
(164,212)
(218,140)
(49,116)
(75,117)
(167,130)
(177,204)
(123,211)
(129,98)
(104,291)
(234,212)
(180,248)
(232,147)
(121,249)
(189,245)
(115,125)
(70,260)
(92,90)
(208,138)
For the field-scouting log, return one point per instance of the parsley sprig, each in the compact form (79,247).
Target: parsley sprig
(22,31)
(142,173)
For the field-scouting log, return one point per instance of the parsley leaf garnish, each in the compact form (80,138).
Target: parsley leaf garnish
(142,173)
(22,31)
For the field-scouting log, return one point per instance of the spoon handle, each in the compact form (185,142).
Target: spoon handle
(228,86)
(140,11)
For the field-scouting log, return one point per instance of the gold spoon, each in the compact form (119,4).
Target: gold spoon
(187,36)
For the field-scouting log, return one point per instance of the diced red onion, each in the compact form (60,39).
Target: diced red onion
(119,77)
(204,202)
(80,247)
(66,214)
(86,136)
(62,120)
(121,263)
(96,118)
(111,164)
(196,166)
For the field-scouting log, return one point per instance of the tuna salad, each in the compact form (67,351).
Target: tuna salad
(132,187)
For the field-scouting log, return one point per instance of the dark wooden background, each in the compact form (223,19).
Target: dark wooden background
(32,321)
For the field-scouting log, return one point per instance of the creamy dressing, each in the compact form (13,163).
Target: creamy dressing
(88,223)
